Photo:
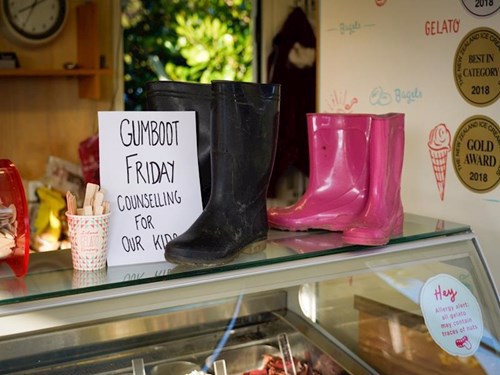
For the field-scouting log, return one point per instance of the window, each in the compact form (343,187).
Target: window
(185,40)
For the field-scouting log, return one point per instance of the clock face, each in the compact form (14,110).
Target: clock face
(35,21)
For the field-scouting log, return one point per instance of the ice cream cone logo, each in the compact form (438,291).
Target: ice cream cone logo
(439,148)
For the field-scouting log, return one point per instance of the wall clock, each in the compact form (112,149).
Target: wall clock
(33,21)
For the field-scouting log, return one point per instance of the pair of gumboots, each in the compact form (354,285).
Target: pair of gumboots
(354,184)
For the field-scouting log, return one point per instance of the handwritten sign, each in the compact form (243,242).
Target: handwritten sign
(149,170)
(452,315)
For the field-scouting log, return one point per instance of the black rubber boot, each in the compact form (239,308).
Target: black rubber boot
(185,96)
(245,120)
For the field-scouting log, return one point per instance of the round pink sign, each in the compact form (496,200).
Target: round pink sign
(452,315)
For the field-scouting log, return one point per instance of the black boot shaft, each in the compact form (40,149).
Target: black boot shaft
(245,120)
(186,96)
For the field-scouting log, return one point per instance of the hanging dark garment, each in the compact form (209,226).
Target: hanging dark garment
(292,63)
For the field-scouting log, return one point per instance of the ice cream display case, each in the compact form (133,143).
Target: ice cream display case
(307,304)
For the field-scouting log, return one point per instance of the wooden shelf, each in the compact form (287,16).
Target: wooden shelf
(87,40)
(88,57)
(26,72)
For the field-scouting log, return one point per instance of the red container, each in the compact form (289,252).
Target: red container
(12,193)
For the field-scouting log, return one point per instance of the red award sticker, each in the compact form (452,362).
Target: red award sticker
(452,315)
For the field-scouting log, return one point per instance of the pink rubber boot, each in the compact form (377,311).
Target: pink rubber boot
(338,181)
(383,214)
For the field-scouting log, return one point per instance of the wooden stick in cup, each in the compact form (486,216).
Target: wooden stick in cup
(94,203)
(87,210)
(97,203)
(90,192)
(71,203)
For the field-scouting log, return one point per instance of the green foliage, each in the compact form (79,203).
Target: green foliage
(184,40)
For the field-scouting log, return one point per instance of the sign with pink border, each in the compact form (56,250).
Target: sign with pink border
(452,315)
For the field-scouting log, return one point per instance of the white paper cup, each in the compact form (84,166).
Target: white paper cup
(89,241)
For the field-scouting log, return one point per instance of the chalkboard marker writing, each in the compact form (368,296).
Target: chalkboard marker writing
(150,132)
(148,172)
(144,222)
(148,200)
(160,240)
(132,243)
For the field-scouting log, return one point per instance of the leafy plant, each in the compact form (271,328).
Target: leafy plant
(184,40)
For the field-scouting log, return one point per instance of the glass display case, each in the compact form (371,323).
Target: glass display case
(308,304)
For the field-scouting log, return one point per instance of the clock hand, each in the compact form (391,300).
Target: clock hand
(29,14)
(28,7)
(31,7)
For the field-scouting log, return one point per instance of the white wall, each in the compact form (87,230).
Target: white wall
(385,44)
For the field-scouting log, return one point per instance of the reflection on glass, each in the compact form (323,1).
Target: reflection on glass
(51,274)
(377,314)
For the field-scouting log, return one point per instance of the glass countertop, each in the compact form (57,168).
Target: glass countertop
(51,274)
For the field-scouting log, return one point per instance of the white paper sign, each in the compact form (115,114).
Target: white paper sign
(452,315)
(149,171)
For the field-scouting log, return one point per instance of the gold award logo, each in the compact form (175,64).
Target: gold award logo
(476,153)
(477,66)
